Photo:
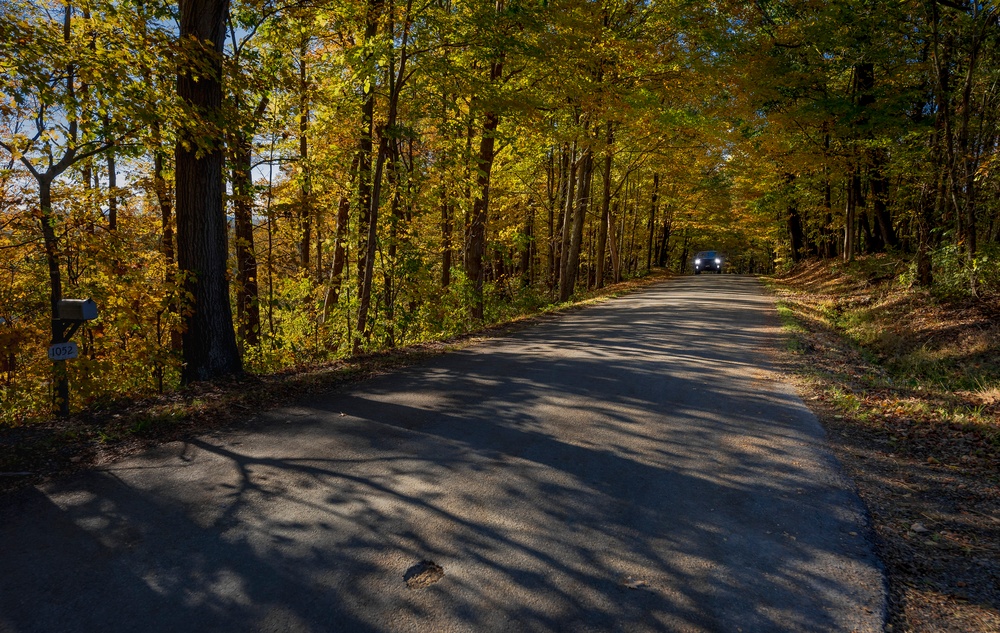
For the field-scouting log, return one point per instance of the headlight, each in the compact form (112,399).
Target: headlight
(718,261)
(697,261)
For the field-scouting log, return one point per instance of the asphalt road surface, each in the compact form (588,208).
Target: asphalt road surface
(633,466)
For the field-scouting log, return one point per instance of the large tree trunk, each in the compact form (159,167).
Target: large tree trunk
(829,250)
(447,207)
(209,341)
(48,221)
(633,256)
(795,233)
(480,208)
(682,260)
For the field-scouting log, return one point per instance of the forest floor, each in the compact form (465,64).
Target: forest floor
(39,451)
(908,387)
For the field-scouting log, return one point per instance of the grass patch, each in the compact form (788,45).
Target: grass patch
(794,341)
(913,345)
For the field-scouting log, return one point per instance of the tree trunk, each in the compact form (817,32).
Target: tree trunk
(868,238)
(209,341)
(551,187)
(477,228)
(395,217)
(796,234)
(385,138)
(568,200)
(565,180)
(682,260)
(527,249)
(602,229)
(365,146)
(60,396)
(663,250)
(652,222)
(880,199)
(247,291)
(616,269)
(586,170)
(447,228)
(850,220)
(633,258)
(339,256)
(829,250)
(305,206)
(112,183)
(924,221)
(164,200)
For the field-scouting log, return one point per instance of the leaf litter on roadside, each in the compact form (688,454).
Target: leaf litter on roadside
(906,388)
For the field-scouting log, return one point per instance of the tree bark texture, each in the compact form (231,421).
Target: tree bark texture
(209,341)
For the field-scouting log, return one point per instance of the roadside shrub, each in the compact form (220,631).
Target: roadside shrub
(956,277)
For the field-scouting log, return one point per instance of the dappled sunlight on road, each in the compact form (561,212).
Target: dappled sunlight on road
(633,466)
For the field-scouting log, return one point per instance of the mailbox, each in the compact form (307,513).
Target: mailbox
(77,310)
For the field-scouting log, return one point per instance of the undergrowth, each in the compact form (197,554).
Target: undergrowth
(928,354)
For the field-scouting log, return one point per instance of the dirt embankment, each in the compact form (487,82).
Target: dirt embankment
(908,387)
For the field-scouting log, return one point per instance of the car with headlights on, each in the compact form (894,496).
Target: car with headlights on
(707,260)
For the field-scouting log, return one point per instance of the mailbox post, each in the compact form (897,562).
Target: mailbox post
(70,315)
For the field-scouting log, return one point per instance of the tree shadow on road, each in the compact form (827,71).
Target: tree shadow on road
(650,476)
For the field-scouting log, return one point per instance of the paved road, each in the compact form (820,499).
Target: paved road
(628,467)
